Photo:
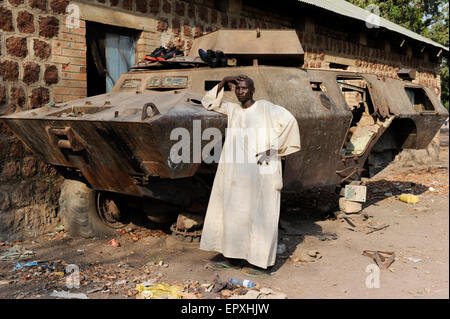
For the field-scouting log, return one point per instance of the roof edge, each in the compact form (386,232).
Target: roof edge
(347,9)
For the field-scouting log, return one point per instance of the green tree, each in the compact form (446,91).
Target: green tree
(426,17)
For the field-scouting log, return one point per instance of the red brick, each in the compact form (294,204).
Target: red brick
(80,92)
(61,91)
(66,75)
(78,61)
(61,59)
(72,84)
(74,53)
(78,31)
(74,38)
(57,51)
(59,98)
(79,46)
(79,76)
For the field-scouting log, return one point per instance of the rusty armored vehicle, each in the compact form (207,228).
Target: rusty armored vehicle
(114,149)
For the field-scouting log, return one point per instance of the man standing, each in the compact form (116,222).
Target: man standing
(243,211)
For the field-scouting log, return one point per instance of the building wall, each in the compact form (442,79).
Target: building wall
(43,60)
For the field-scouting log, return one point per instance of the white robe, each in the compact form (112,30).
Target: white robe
(243,211)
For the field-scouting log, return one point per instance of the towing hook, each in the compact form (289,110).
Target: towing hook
(145,115)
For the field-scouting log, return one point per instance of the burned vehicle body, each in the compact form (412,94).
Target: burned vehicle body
(351,125)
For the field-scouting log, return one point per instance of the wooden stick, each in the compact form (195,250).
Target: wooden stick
(377,229)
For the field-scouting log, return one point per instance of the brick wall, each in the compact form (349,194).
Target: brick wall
(320,49)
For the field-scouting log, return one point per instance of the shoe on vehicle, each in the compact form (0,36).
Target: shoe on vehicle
(156,53)
(172,53)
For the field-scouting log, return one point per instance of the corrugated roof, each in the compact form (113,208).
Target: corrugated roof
(345,8)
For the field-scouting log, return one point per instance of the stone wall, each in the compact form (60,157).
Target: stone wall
(29,74)
(43,60)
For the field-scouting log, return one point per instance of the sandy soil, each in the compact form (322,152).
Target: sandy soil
(417,233)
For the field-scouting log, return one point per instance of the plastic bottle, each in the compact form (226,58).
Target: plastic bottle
(242,282)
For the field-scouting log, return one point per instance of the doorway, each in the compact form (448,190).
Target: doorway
(365,124)
(110,52)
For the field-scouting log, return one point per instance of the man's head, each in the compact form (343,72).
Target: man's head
(245,88)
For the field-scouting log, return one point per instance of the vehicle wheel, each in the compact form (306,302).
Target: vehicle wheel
(83,211)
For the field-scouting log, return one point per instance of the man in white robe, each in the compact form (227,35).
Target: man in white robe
(243,211)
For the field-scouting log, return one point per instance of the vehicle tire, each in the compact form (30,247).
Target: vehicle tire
(78,209)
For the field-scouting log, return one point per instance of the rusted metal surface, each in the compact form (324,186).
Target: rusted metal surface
(120,141)
(257,42)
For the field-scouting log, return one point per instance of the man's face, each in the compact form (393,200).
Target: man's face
(244,91)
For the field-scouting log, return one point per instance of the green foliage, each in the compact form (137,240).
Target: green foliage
(426,17)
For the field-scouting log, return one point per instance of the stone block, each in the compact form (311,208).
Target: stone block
(17,47)
(41,49)
(349,207)
(25,22)
(6,19)
(38,4)
(31,72)
(48,27)
(39,97)
(59,6)
(187,221)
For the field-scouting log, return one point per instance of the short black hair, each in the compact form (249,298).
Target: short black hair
(247,79)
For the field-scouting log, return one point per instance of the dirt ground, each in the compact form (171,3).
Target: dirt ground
(418,234)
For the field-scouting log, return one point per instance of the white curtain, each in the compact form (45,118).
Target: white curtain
(119,56)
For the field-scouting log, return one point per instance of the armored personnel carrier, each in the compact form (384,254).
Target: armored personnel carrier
(116,149)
